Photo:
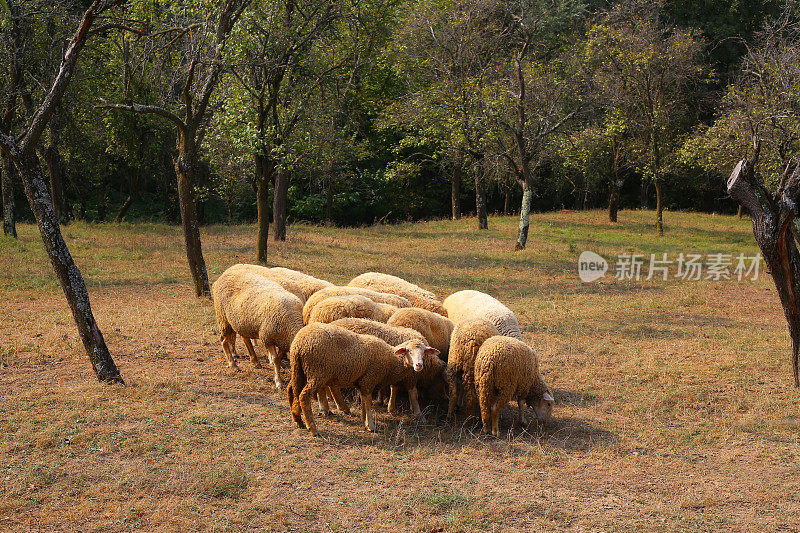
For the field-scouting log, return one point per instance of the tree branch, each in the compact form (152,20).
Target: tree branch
(147,109)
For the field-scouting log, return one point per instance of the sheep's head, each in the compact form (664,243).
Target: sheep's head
(543,406)
(413,353)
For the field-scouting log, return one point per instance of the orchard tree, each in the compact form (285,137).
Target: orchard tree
(190,44)
(647,70)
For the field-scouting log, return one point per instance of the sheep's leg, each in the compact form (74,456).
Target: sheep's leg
(413,397)
(322,399)
(297,412)
(305,405)
(451,407)
(393,399)
(228,341)
(485,401)
(252,352)
(341,403)
(497,406)
(522,405)
(275,358)
(471,402)
(366,403)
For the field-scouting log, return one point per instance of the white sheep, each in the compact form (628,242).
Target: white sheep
(429,376)
(466,340)
(506,369)
(324,355)
(415,294)
(308,284)
(277,277)
(351,305)
(469,304)
(377,297)
(255,307)
(434,327)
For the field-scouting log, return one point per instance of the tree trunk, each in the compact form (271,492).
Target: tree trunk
(524,215)
(772,217)
(659,209)
(643,194)
(184,169)
(124,209)
(507,200)
(329,198)
(279,205)
(67,272)
(480,196)
(455,190)
(9,215)
(262,203)
(613,203)
(739,212)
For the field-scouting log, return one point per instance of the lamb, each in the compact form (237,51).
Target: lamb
(418,296)
(377,297)
(505,369)
(278,278)
(308,284)
(429,377)
(255,307)
(352,305)
(324,355)
(433,326)
(466,305)
(466,340)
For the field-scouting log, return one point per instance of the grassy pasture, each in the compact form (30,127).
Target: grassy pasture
(675,409)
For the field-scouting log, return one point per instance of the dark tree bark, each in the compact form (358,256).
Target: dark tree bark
(184,169)
(455,189)
(279,205)
(773,216)
(613,202)
(329,197)
(9,207)
(25,159)
(480,195)
(262,203)
(643,194)
(507,200)
(123,210)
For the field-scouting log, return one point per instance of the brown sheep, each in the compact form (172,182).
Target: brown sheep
(506,369)
(434,327)
(377,297)
(418,296)
(352,305)
(466,340)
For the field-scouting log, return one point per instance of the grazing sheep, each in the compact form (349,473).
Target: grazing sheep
(389,310)
(429,378)
(324,355)
(466,305)
(418,296)
(278,278)
(506,369)
(352,305)
(466,340)
(308,284)
(377,297)
(433,326)
(255,307)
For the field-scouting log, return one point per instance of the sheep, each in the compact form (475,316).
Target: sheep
(377,297)
(466,305)
(255,307)
(466,340)
(433,326)
(278,278)
(324,355)
(429,377)
(352,305)
(506,369)
(389,310)
(308,284)
(418,296)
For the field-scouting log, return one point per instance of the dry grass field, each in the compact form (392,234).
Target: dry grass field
(675,407)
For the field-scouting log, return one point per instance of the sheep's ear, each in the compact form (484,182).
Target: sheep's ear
(548,397)
(401,350)
(431,351)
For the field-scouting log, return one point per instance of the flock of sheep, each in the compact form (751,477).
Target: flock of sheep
(380,333)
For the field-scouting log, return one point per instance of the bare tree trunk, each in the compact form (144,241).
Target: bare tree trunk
(184,169)
(455,189)
(507,201)
(613,203)
(279,205)
(124,209)
(524,214)
(9,215)
(262,203)
(739,212)
(68,274)
(772,217)
(480,195)
(643,194)
(659,209)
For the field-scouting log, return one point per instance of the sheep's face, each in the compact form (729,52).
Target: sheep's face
(543,407)
(413,354)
